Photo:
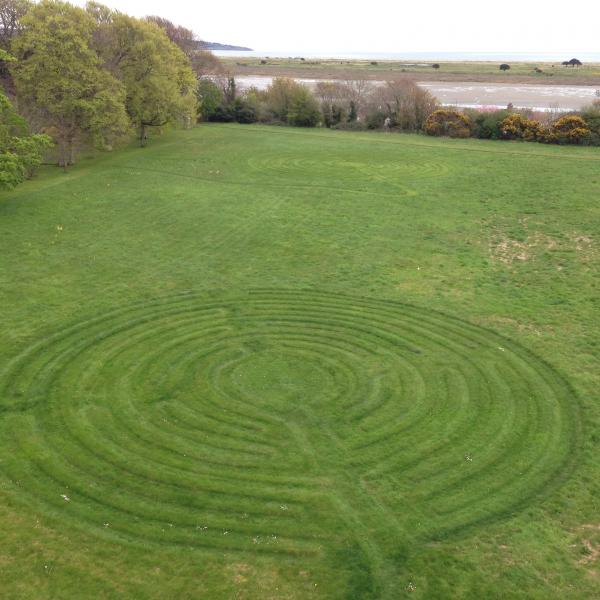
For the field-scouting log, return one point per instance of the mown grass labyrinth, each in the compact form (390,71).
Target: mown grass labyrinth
(253,362)
(246,423)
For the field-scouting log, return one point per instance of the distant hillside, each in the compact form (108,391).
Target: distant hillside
(216,46)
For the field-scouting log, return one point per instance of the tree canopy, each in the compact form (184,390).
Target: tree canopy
(159,82)
(60,82)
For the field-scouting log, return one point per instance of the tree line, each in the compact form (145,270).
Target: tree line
(89,78)
(352,104)
(400,106)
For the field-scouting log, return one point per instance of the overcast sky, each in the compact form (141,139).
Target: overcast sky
(385,25)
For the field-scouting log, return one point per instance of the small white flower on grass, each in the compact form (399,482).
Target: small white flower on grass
(283,507)
(59,228)
(106,524)
(411,587)
(468,458)
(501,349)
(225,532)
(65,498)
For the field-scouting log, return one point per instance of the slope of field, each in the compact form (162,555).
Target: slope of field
(252,362)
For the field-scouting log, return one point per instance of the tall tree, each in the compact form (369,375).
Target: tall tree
(160,84)
(60,82)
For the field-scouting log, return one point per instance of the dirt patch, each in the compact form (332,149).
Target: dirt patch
(588,548)
(508,251)
(534,244)
(591,553)
(498,322)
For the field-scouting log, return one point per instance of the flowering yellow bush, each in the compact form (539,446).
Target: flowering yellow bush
(517,127)
(450,123)
(571,129)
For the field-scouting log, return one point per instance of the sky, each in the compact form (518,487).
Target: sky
(385,25)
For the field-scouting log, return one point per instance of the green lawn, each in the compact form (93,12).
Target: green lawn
(265,363)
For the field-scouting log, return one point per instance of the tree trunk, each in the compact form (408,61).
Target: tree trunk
(71,152)
(63,160)
(142,135)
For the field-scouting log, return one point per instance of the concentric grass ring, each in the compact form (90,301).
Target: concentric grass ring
(265,421)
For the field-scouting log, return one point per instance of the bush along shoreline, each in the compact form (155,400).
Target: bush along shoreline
(400,106)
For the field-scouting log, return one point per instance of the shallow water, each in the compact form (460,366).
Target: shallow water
(478,95)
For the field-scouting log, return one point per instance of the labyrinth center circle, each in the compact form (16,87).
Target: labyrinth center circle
(189,411)
(280,379)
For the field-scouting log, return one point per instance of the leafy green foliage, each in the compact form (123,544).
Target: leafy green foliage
(304,110)
(6,57)
(159,83)
(486,125)
(60,82)
(20,153)
(210,97)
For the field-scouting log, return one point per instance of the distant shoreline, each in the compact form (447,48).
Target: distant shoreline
(526,57)
(536,73)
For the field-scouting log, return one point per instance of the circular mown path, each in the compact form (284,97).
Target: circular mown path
(273,420)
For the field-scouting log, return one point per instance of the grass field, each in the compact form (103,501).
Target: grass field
(520,72)
(253,362)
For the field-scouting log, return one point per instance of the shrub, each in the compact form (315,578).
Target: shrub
(224,113)
(375,119)
(517,127)
(591,115)
(244,111)
(571,129)
(449,123)
(487,125)
(209,97)
(304,110)
(290,102)
(504,67)
(405,103)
